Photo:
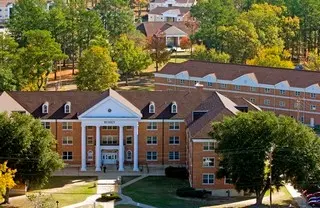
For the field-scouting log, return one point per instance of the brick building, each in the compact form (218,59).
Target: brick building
(289,92)
(132,129)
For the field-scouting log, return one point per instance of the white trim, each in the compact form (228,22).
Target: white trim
(292,110)
(59,120)
(203,140)
(161,120)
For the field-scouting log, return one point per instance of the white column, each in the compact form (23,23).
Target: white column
(121,149)
(98,151)
(83,148)
(312,122)
(135,148)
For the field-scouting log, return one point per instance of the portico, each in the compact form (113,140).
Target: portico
(113,111)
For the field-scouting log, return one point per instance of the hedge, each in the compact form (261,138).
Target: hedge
(177,172)
(191,192)
(109,197)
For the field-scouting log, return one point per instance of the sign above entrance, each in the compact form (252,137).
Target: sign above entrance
(109,122)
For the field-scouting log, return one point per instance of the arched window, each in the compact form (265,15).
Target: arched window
(174,107)
(67,107)
(129,155)
(90,155)
(152,107)
(45,107)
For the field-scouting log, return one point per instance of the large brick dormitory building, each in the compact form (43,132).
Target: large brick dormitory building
(289,92)
(133,128)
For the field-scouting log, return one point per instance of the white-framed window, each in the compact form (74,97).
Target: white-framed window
(208,178)
(129,140)
(109,140)
(169,80)
(208,146)
(296,105)
(181,81)
(223,85)
(267,90)
(297,93)
(128,127)
(152,108)
(174,107)
(174,125)
(174,155)
(152,126)
(67,140)
(227,180)
(313,107)
(45,107)
(313,95)
(253,89)
(266,101)
(89,127)
(67,125)
(174,140)
(90,155)
(237,87)
(195,82)
(89,140)
(152,140)
(209,84)
(253,100)
(282,92)
(46,125)
(152,156)
(208,162)
(67,107)
(129,155)
(67,155)
(302,119)
(282,104)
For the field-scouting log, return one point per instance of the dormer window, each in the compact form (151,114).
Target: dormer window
(67,107)
(174,107)
(152,108)
(45,107)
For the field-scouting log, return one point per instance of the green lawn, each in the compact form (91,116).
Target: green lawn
(160,191)
(60,181)
(125,206)
(126,179)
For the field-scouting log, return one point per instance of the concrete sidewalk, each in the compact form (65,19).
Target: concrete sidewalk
(297,196)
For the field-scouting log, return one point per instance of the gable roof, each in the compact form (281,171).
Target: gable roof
(177,1)
(264,75)
(180,11)
(151,28)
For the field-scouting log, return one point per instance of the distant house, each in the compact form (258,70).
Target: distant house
(171,3)
(169,14)
(173,31)
(5,9)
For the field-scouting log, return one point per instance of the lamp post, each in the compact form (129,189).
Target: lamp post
(57,204)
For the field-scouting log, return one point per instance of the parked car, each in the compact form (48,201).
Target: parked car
(316,194)
(314,203)
(314,198)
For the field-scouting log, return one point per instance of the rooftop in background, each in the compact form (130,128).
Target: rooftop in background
(181,11)
(176,1)
(151,28)
(262,75)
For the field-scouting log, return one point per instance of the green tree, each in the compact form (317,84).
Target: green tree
(249,141)
(27,15)
(201,53)
(8,61)
(158,50)
(117,17)
(130,58)
(96,70)
(240,41)
(272,57)
(223,15)
(28,148)
(36,59)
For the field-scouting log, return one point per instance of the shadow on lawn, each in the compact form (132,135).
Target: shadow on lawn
(285,204)
(60,181)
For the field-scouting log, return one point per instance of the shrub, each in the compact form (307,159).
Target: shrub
(109,197)
(177,172)
(191,192)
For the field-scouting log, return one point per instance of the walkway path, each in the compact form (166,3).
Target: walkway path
(297,196)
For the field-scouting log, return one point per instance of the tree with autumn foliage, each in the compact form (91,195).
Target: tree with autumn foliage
(272,57)
(185,43)
(158,50)
(313,61)
(6,180)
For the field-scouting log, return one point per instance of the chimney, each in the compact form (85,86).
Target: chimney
(199,87)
